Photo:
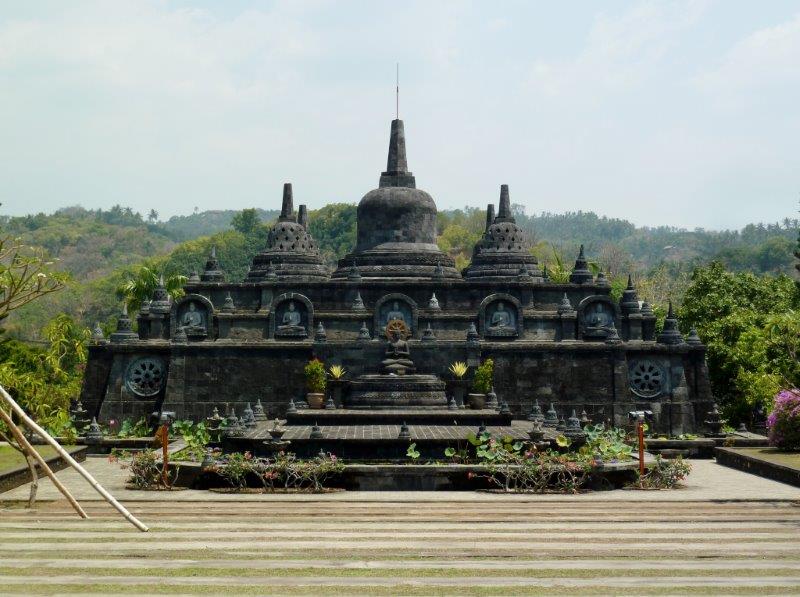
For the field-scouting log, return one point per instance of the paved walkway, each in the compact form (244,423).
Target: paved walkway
(727,532)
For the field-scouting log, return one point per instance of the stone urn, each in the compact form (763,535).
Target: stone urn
(458,389)
(315,399)
(476,401)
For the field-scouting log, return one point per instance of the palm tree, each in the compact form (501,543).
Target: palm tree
(152,217)
(140,287)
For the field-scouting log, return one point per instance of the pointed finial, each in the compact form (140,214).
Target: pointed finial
(630,282)
(161,280)
(489,216)
(670,312)
(580,253)
(125,308)
(397,162)
(302,216)
(213,251)
(287,206)
(504,209)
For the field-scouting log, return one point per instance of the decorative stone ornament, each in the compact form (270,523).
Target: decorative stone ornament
(505,409)
(94,434)
(292,408)
(693,339)
(574,432)
(212,271)
(160,302)
(551,417)
(124,332)
(629,303)
(353,274)
(358,303)
(670,333)
(438,273)
(491,400)
(271,273)
(580,272)
(98,337)
(363,332)
(646,378)
(228,306)
(258,411)
(536,412)
(248,416)
(145,376)
(562,424)
(472,334)
(451,404)
(180,336)
(330,404)
(316,432)
(428,335)
(613,337)
(536,433)
(319,334)
(602,281)
(433,304)
(405,432)
(193,278)
(565,307)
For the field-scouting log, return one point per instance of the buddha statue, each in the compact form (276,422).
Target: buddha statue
(598,321)
(193,320)
(501,322)
(398,356)
(291,322)
(395,313)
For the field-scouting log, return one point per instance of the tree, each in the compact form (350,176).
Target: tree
(25,275)
(141,285)
(152,217)
(246,221)
(751,326)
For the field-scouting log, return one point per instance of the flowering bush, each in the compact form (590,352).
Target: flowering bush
(783,422)
(664,474)
(282,470)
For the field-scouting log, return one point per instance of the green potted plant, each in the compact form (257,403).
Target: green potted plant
(336,382)
(481,385)
(315,383)
(458,382)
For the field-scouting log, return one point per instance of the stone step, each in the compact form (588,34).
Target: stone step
(464,418)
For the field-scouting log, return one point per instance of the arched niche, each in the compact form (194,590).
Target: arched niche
(193,313)
(292,316)
(596,315)
(393,306)
(500,316)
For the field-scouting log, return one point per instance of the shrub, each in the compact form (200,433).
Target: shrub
(784,421)
(145,470)
(234,468)
(315,376)
(608,444)
(284,469)
(196,437)
(665,474)
(484,377)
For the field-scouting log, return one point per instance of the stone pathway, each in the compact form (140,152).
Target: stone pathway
(727,532)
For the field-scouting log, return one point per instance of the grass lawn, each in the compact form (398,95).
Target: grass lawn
(790,459)
(10,458)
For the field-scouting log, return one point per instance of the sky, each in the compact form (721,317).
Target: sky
(663,113)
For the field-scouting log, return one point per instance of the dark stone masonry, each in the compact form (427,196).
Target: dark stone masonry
(396,313)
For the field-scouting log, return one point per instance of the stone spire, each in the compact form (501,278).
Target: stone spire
(629,302)
(287,206)
(670,334)
(580,273)
(397,174)
(302,216)
(489,216)
(212,272)
(504,209)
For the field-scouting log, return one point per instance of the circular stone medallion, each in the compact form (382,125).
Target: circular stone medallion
(646,379)
(145,376)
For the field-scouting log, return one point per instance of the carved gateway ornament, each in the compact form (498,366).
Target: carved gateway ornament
(145,376)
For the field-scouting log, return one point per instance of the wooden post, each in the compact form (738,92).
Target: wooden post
(30,452)
(66,456)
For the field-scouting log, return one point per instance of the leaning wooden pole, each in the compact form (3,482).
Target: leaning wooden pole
(30,452)
(31,467)
(31,424)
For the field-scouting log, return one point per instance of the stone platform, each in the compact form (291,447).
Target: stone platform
(372,441)
(384,418)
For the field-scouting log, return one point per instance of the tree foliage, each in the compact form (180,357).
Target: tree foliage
(751,325)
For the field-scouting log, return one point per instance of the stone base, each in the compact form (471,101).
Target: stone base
(392,392)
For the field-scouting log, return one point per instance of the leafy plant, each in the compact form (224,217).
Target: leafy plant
(196,437)
(140,286)
(412,452)
(783,422)
(458,369)
(145,470)
(235,468)
(315,376)
(484,377)
(607,443)
(337,372)
(312,473)
(664,474)
(129,428)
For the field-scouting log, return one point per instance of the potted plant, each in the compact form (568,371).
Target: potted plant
(481,384)
(315,383)
(458,383)
(337,381)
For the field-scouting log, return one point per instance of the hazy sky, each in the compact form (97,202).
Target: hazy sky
(680,113)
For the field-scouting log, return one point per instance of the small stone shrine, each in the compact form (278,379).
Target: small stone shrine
(395,313)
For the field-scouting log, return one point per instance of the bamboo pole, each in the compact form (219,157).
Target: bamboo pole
(65,455)
(31,467)
(30,451)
